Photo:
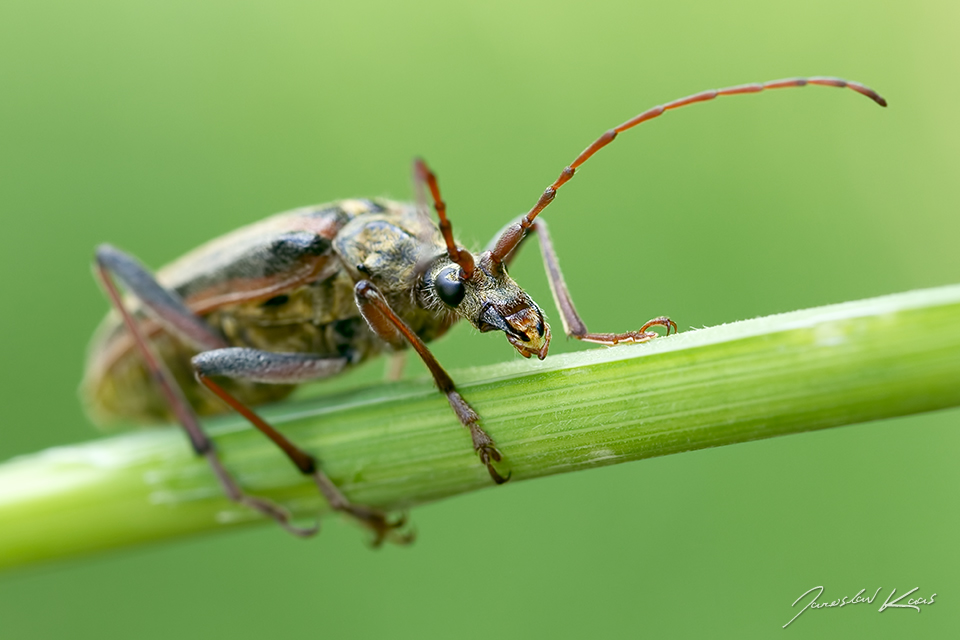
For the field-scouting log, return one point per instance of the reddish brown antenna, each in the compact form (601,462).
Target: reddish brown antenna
(458,255)
(514,233)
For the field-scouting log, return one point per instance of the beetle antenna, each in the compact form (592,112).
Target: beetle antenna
(514,233)
(458,255)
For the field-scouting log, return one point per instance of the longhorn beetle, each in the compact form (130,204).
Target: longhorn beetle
(306,294)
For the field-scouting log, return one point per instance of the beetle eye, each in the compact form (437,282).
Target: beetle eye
(449,286)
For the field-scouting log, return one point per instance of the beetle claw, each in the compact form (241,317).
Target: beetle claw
(662,321)
(499,479)
(488,455)
(382,527)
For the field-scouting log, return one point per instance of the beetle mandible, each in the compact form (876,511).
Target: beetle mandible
(305,294)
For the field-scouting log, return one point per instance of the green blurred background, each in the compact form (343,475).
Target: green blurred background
(156,126)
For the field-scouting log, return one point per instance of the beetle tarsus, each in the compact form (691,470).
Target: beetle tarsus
(383,528)
(662,321)
(277,513)
(499,479)
(488,452)
(261,505)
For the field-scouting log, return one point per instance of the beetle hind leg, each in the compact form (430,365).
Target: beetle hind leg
(374,519)
(167,306)
(287,368)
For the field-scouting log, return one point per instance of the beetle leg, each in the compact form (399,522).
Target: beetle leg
(111,261)
(289,368)
(393,330)
(572,324)
(395,364)
(163,304)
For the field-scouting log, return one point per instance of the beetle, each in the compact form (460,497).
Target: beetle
(308,293)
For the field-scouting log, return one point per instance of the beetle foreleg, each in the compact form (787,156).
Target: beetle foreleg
(573,325)
(392,329)
(140,282)
(289,368)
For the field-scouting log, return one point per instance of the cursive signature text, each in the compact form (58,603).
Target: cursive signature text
(889,603)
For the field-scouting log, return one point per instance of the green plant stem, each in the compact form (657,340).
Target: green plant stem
(396,446)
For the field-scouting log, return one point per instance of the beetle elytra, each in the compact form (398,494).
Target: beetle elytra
(305,294)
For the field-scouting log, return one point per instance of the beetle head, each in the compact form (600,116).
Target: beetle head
(489,299)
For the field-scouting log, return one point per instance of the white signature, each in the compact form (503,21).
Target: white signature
(912,603)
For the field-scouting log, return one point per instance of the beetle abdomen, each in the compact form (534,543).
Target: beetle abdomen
(313,319)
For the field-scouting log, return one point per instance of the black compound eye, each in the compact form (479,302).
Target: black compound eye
(449,286)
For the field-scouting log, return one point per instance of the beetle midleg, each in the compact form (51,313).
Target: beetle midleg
(394,369)
(288,368)
(393,330)
(137,280)
(573,325)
